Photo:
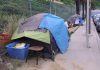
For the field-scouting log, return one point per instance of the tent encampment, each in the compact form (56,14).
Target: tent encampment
(39,27)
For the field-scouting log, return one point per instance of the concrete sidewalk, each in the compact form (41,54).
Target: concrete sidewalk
(84,58)
(78,56)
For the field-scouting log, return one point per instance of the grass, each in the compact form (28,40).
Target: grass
(12,22)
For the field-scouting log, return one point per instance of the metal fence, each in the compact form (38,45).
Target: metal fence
(13,12)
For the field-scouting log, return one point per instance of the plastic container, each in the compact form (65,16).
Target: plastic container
(16,53)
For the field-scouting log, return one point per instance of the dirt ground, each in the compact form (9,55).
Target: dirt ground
(44,64)
(61,63)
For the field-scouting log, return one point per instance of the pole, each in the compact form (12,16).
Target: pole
(90,17)
(87,25)
(30,5)
(50,6)
(55,10)
(83,12)
(54,5)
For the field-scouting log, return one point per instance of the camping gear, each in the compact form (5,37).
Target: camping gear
(50,50)
(40,36)
(30,28)
(57,29)
(17,53)
(45,30)
(75,20)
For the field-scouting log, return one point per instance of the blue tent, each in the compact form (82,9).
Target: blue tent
(54,24)
(58,29)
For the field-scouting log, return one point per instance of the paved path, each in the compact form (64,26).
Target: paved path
(85,58)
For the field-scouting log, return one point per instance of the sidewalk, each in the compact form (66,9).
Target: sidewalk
(84,58)
(78,56)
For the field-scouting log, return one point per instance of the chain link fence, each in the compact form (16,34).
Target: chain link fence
(13,12)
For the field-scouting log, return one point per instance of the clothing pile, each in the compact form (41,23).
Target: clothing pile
(20,45)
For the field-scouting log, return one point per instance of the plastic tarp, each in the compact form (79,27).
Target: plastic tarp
(58,29)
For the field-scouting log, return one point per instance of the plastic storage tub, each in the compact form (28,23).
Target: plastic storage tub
(17,53)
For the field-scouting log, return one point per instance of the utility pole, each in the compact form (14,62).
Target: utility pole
(89,16)
(87,23)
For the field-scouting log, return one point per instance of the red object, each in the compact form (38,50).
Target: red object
(4,38)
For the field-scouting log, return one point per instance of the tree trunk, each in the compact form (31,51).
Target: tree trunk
(77,6)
